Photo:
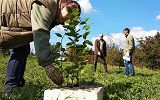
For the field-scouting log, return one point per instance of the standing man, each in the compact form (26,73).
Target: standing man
(38,16)
(129,47)
(100,51)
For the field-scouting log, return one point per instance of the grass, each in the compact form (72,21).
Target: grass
(145,85)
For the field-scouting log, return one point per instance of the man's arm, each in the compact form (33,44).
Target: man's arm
(96,45)
(41,20)
(130,43)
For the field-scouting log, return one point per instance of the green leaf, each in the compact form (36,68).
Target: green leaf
(83,63)
(85,52)
(79,36)
(66,26)
(69,10)
(78,30)
(87,27)
(70,39)
(58,44)
(85,35)
(77,40)
(69,27)
(58,34)
(82,23)
(68,21)
(86,19)
(56,62)
(71,34)
(84,43)
(79,46)
(89,42)
(63,49)
(72,26)
(70,43)
(75,21)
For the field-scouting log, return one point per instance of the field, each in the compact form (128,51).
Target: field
(145,85)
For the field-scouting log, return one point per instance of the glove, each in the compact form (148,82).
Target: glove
(54,74)
(99,53)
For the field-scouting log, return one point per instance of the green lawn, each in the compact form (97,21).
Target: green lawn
(144,86)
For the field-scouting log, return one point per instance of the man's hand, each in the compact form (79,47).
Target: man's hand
(127,54)
(99,53)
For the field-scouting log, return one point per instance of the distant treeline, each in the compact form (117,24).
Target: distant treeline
(147,53)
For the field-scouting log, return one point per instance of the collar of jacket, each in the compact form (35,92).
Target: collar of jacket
(127,35)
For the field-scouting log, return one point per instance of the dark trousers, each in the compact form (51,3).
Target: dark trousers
(103,61)
(16,67)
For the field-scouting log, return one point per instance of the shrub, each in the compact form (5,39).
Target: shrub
(76,46)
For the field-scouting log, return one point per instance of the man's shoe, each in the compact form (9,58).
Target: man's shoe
(54,74)
(20,82)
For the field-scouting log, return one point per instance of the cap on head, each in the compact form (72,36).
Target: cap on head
(100,35)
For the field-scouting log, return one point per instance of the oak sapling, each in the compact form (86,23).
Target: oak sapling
(76,30)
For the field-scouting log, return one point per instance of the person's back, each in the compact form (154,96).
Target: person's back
(15,16)
(16,13)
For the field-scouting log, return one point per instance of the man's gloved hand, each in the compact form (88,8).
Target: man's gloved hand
(99,53)
(54,74)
